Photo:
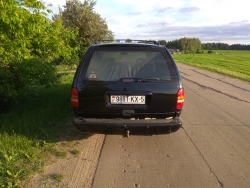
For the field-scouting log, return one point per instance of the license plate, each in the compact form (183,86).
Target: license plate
(124,99)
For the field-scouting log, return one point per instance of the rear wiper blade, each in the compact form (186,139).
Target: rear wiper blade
(144,80)
(151,79)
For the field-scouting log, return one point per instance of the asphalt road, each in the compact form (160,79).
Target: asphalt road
(211,150)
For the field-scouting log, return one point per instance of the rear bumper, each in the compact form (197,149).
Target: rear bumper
(135,127)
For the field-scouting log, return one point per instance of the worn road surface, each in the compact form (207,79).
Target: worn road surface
(212,149)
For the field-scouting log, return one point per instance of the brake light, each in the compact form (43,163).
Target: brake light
(180,99)
(74,98)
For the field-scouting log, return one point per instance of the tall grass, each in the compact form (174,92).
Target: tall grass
(28,131)
(234,63)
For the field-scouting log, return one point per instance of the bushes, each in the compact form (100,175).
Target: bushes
(29,41)
(20,79)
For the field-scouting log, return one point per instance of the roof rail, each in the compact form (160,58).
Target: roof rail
(128,40)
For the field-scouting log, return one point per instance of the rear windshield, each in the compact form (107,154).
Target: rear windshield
(112,65)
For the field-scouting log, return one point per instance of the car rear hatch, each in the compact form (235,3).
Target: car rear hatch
(127,82)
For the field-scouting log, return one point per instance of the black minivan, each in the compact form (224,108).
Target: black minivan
(127,88)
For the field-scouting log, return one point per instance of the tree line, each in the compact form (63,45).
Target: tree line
(194,45)
(224,46)
(31,44)
(187,45)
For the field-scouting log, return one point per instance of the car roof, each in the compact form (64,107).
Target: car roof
(130,42)
(127,44)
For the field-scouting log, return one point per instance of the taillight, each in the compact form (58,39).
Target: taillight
(74,98)
(180,99)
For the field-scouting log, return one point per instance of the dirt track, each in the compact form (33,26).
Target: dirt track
(211,150)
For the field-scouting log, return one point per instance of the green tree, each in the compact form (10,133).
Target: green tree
(190,45)
(91,26)
(128,40)
(162,42)
(29,41)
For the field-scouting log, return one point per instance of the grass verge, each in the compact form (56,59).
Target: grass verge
(233,63)
(28,132)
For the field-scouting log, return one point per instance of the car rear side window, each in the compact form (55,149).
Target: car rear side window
(112,65)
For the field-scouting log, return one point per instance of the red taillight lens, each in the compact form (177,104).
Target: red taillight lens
(74,98)
(180,99)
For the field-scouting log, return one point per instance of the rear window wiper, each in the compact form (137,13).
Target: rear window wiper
(152,79)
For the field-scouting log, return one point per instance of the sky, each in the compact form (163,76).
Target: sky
(225,21)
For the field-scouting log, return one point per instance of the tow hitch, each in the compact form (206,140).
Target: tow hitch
(127,130)
(127,133)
